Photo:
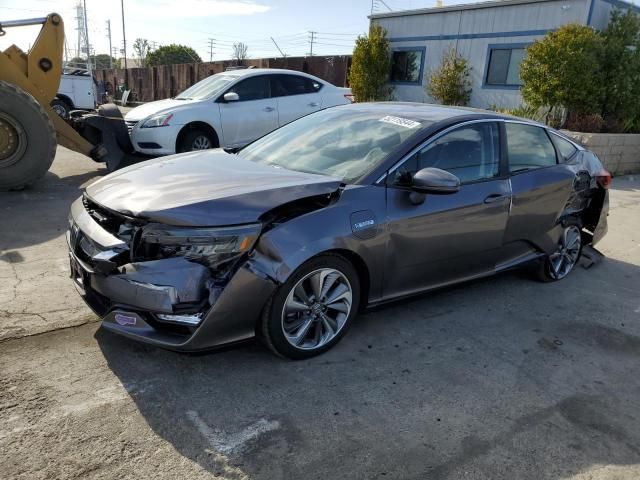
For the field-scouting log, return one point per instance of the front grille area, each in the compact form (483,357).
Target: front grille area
(130,125)
(107,219)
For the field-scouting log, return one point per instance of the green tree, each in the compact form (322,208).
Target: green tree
(450,83)
(141,49)
(620,64)
(563,70)
(172,54)
(370,66)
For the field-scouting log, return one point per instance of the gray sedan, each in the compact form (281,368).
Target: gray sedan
(347,208)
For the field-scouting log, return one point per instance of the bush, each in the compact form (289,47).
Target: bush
(450,83)
(620,64)
(563,70)
(370,66)
(584,123)
(523,111)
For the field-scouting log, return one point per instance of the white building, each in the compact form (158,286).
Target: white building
(492,36)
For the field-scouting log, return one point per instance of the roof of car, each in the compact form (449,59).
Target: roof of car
(423,112)
(255,71)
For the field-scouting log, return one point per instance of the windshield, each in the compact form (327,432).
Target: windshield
(206,88)
(341,142)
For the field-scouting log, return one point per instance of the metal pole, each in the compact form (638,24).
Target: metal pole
(281,52)
(86,39)
(110,48)
(124,43)
(211,40)
(311,50)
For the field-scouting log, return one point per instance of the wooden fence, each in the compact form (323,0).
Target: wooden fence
(156,83)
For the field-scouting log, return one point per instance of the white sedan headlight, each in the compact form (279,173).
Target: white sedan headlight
(161,120)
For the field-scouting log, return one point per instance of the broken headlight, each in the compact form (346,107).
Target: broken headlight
(212,247)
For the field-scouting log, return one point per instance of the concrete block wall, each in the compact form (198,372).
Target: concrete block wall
(619,152)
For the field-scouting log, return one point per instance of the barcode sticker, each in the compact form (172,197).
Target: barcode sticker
(403,122)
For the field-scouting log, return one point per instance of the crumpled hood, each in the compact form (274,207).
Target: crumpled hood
(153,108)
(207,188)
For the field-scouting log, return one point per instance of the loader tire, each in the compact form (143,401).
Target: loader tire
(27,138)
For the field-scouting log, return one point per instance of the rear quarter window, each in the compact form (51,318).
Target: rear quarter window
(566,149)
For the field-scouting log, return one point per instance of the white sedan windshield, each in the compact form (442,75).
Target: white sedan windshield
(206,88)
(344,143)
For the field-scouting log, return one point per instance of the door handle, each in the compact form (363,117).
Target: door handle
(495,197)
(268,109)
(314,104)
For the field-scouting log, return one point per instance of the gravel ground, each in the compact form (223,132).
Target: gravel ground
(504,378)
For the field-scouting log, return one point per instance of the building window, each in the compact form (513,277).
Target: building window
(406,65)
(504,66)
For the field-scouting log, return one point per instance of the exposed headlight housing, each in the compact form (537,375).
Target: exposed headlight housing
(161,120)
(212,247)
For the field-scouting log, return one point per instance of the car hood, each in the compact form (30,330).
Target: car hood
(204,189)
(153,108)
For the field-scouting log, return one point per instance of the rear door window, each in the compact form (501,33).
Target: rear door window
(286,85)
(529,147)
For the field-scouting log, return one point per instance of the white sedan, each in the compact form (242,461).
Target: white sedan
(229,110)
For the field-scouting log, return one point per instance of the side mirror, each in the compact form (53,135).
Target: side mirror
(231,97)
(434,180)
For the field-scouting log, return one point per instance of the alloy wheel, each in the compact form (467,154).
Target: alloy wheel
(317,309)
(60,110)
(562,261)
(12,141)
(201,142)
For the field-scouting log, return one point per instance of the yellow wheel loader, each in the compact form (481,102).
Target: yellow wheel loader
(30,130)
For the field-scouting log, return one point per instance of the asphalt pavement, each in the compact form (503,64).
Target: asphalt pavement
(504,378)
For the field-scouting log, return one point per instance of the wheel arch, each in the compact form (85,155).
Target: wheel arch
(197,125)
(65,99)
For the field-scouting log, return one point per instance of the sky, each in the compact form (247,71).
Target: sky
(194,22)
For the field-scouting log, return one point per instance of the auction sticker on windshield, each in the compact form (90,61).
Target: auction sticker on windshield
(403,122)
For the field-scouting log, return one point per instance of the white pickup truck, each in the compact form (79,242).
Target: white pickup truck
(77,91)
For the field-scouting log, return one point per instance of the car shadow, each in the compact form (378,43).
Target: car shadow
(39,213)
(499,378)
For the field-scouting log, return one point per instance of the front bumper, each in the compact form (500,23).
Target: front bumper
(130,298)
(163,139)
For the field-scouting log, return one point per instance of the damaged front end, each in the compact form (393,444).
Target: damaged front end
(161,283)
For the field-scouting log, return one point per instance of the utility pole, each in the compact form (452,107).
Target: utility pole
(86,37)
(110,48)
(124,44)
(211,40)
(281,52)
(311,39)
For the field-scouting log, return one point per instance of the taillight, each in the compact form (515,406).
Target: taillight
(604,178)
(350,97)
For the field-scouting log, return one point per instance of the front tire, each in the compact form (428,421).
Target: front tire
(560,263)
(61,107)
(196,140)
(27,138)
(313,309)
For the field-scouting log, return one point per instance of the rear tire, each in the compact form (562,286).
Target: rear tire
(561,262)
(27,138)
(196,139)
(313,309)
